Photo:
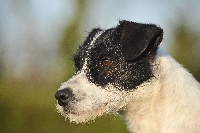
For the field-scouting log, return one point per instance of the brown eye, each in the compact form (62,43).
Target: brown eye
(106,62)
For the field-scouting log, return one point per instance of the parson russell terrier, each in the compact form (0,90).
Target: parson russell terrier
(122,70)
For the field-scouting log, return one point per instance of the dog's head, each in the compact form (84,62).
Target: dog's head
(112,67)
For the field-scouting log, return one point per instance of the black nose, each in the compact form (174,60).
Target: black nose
(63,96)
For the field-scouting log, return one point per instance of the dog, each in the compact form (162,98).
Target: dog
(122,70)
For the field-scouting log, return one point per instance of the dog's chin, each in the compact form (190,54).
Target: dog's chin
(83,116)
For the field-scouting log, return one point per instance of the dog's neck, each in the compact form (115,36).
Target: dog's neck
(175,94)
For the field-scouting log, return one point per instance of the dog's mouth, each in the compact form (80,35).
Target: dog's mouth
(82,116)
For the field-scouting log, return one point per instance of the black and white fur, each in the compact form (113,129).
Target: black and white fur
(123,70)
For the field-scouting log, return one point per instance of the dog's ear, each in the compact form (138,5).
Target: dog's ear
(136,38)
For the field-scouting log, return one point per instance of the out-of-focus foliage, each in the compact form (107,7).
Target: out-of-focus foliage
(71,37)
(186,48)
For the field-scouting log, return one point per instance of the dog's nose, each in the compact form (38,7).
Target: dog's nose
(63,96)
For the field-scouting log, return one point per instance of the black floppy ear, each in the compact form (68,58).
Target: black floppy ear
(137,38)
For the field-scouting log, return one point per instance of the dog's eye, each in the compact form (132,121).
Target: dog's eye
(106,62)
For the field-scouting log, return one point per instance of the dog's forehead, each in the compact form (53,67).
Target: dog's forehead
(98,42)
(106,43)
(103,40)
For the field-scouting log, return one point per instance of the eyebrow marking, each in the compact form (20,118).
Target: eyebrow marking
(91,44)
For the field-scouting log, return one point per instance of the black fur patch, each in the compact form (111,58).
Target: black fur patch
(135,38)
(120,56)
(80,55)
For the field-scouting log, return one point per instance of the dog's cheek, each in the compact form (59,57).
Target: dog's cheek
(100,77)
(131,74)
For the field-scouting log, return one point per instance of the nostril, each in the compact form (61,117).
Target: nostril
(63,96)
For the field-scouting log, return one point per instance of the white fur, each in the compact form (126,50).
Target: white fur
(174,106)
(169,103)
(91,101)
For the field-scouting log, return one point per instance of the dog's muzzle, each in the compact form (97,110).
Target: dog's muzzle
(64,96)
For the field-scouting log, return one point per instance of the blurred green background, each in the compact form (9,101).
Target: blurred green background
(38,39)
